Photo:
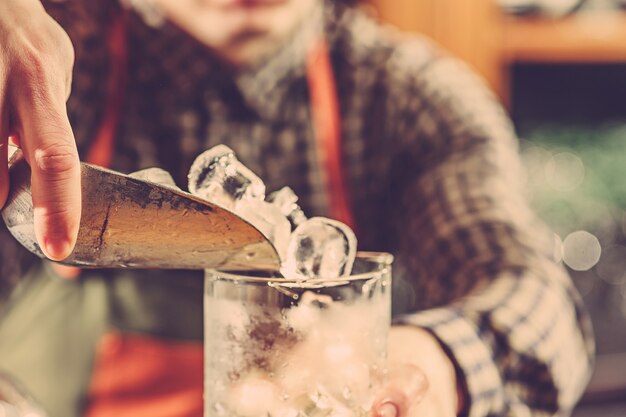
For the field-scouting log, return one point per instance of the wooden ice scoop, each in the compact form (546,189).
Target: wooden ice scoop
(131,223)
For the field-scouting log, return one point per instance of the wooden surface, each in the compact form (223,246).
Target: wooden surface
(588,37)
(477,32)
(468,29)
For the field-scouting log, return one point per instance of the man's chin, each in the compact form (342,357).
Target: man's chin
(244,4)
(246,51)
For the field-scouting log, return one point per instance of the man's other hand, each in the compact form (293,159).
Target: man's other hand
(421,380)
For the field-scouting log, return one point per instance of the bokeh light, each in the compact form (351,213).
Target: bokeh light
(535,159)
(581,250)
(565,171)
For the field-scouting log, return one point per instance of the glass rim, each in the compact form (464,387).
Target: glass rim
(382,258)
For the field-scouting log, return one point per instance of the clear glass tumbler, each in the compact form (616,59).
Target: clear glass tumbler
(279,347)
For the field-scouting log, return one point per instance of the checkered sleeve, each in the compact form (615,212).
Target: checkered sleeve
(481,264)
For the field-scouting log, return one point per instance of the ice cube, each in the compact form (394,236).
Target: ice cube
(286,199)
(217,176)
(269,220)
(320,248)
(253,396)
(285,412)
(350,381)
(155,175)
(339,352)
(326,405)
(306,314)
(307,407)
(313,299)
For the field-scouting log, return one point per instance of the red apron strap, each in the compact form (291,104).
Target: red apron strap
(101,151)
(141,376)
(327,125)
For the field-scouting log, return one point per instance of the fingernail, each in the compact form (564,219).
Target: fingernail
(57,250)
(387,410)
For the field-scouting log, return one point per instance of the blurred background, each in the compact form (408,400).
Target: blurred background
(559,66)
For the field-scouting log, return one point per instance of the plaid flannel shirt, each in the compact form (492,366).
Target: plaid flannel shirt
(431,168)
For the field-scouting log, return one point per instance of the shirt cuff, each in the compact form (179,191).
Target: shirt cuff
(473,358)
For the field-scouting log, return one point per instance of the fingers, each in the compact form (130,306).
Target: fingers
(49,147)
(406,387)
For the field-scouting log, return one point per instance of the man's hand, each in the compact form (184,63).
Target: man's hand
(36,59)
(422,381)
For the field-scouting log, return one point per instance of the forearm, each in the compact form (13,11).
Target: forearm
(477,260)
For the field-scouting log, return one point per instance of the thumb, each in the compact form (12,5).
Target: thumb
(405,387)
